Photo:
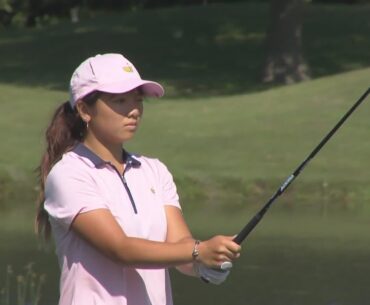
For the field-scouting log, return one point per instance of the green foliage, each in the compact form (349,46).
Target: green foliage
(213,51)
(341,1)
(27,287)
(33,13)
(5,5)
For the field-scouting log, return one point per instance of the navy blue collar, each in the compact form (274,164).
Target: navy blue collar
(81,150)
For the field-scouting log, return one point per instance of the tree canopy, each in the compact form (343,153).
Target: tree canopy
(26,12)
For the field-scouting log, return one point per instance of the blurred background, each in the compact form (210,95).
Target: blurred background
(251,89)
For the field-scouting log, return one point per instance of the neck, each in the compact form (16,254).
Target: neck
(111,152)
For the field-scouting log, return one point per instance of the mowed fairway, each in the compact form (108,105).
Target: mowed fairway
(228,152)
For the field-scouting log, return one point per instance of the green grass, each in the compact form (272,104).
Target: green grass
(247,144)
(228,144)
(228,155)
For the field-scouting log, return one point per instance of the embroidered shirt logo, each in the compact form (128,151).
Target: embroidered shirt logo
(128,69)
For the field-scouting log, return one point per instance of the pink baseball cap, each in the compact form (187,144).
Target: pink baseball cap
(110,73)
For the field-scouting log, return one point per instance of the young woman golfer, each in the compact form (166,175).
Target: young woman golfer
(115,217)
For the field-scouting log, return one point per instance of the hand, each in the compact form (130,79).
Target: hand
(210,275)
(217,250)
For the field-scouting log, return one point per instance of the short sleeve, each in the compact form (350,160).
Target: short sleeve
(70,191)
(167,186)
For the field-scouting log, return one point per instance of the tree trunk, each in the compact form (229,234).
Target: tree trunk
(284,61)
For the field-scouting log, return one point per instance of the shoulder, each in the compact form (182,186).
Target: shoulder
(155,169)
(70,166)
(149,163)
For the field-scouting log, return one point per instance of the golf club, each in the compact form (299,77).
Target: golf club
(256,219)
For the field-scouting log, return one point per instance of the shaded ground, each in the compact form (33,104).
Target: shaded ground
(291,258)
(194,51)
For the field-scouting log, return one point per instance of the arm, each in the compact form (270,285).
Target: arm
(100,229)
(212,252)
(177,230)
(70,190)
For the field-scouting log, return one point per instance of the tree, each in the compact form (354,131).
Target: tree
(284,60)
(6,12)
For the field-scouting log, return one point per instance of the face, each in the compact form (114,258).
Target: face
(114,118)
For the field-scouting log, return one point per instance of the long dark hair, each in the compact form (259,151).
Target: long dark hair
(64,131)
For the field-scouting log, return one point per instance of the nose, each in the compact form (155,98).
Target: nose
(135,112)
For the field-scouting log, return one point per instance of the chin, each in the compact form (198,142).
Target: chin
(127,138)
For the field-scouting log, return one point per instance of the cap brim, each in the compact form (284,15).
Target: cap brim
(149,88)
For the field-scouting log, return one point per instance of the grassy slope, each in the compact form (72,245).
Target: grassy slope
(219,142)
(244,145)
(246,141)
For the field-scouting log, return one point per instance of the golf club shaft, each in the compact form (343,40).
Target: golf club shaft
(256,219)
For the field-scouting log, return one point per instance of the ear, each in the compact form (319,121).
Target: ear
(84,111)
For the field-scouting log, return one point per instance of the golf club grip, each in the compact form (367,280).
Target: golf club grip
(247,229)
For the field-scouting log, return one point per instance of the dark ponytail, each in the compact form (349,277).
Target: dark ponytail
(65,130)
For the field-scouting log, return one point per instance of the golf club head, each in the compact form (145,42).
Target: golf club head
(225,266)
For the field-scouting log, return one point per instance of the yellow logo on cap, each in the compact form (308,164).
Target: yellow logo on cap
(128,69)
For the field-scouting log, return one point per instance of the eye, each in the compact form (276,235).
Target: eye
(120,100)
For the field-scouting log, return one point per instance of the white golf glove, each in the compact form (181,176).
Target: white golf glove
(210,275)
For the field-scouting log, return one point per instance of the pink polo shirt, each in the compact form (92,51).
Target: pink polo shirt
(81,182)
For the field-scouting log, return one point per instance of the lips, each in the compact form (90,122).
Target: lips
(131,124)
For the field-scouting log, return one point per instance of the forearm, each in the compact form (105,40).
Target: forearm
(188,268)
(137,251)
(101,230)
